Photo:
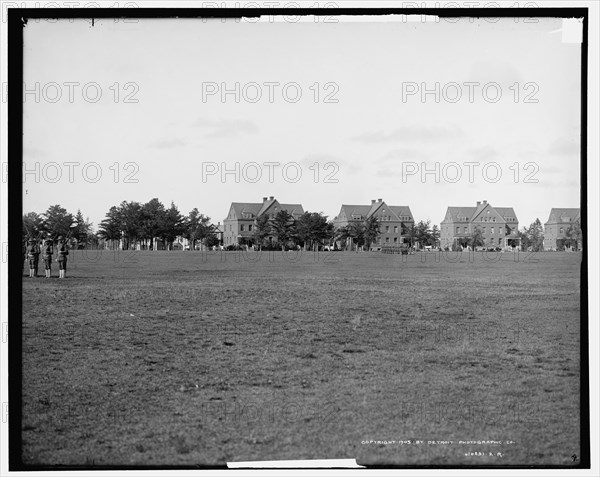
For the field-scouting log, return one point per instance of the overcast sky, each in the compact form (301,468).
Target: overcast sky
(368,134)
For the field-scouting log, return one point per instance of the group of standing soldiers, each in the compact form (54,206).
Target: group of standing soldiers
(37,247)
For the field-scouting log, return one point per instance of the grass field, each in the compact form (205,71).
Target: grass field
(187,358)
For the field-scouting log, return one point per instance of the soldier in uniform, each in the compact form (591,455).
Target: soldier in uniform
(48,251)
(33,253)
(63,251)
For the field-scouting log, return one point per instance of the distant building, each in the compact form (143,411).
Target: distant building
(555,228)
(499,225)
(394,220)
(238,226)
(219,232)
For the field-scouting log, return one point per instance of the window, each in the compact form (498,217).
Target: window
(249,228)
(242,228)
(395,229)
(494,219)
(492,231)
(395,239)
(387,240)
(484,230)
(561,230)
(387,229)
(465,230)
(457,230)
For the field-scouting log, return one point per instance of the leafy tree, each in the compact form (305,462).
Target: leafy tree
(312,229)
(357,233)
(112,226)
(152,221)
(371,230)
(410,232)
(82,232)
(283,226)
(343,235)
(535,236)
(211,240)
(207,233)
(262,229)
(476,238)
(574,235)
(172,226)
(33,225)
(197,227)
(422,232)
(434,238)
(132,215)
(523,234)
(58,221)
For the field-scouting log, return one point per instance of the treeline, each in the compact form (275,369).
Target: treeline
(312,230)
(134,222)
(283,231)
(365,234)
(57,221)
(532,237)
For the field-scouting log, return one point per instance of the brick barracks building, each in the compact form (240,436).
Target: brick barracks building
(240,222)
(499,225)
(393,220)
(555,228)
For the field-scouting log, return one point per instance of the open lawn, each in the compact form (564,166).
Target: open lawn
(190,358)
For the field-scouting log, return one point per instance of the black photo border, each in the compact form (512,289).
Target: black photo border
(17,21)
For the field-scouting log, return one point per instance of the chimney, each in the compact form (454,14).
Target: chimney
(485,202)
(264,199)
(478,203)
(271,198)
(373,201)
(378,200)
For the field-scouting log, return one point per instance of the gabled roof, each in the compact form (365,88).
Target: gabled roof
(293,208)
(259,208)
(471,212)
(506,212)
(401,210)
(461,212)
(240,207)
(265,205)
(563,215)
(351,210)
(374,207)
(366,211)
(479,209)
(490,212)
(396,211)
